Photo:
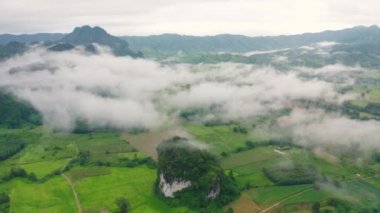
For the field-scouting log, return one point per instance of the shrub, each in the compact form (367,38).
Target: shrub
(4,198)
(123,204)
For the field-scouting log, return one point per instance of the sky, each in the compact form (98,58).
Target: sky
(190,17)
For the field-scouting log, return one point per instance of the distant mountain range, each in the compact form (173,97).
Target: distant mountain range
(353,46)
(169,43)
(30,38)
(85,36)
(166,43)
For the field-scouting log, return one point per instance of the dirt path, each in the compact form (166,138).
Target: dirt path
(285,199)
(74,192)
(65,165)
(68,180)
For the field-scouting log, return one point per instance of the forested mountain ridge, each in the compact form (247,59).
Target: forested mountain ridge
(15,113)
(87,35)
(240,43)
(29,38)
(84,36)
(222,42)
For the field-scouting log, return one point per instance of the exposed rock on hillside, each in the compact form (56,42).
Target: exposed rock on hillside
(192,176)
(168,189)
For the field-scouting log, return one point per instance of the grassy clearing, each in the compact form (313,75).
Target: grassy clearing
(311,196)
(46,147)
(361,193)
(54,195)
(43,168)
(266,196)
(220,138)
(342,170)
(374,92)
(361,104)
(255,155)
(79,173)
(26,134)
(135,184)
(43,154)
(300,208)
(374,96)
(47,151)
(254,180)
(103,146)
(364,115)
(248,165)
(131,155)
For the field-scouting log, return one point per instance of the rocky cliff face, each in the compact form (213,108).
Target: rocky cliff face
(168,189)
(214,192)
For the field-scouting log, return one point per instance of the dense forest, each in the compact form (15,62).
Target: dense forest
(15,113)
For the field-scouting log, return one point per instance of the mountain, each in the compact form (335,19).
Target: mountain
(12,48)
(192,176)
(172,43)
(29,38)
(87,35)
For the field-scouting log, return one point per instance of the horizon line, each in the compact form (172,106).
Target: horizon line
(190,35)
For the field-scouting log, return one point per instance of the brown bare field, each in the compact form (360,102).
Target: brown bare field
(147,142)
(244,205)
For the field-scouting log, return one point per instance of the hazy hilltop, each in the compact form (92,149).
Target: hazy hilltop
(29,38)
(85,36)
(241,43)
(186,43)
(353,46)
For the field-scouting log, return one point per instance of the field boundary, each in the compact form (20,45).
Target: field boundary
(74,192)
(285,199)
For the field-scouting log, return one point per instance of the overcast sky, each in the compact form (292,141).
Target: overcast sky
(194,17)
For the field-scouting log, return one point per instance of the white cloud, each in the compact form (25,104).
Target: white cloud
(122,92)
(314,127)
(102,89)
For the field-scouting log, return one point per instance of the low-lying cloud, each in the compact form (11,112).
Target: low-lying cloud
(315,127)
(125,93)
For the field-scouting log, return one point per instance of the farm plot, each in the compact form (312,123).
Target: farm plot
(45,197)
(220,138)
(135,184)
(147,142)
(102,146)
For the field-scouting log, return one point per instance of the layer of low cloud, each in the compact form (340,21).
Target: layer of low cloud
(101,89)
(126,93)
(243,91)
(315,127)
